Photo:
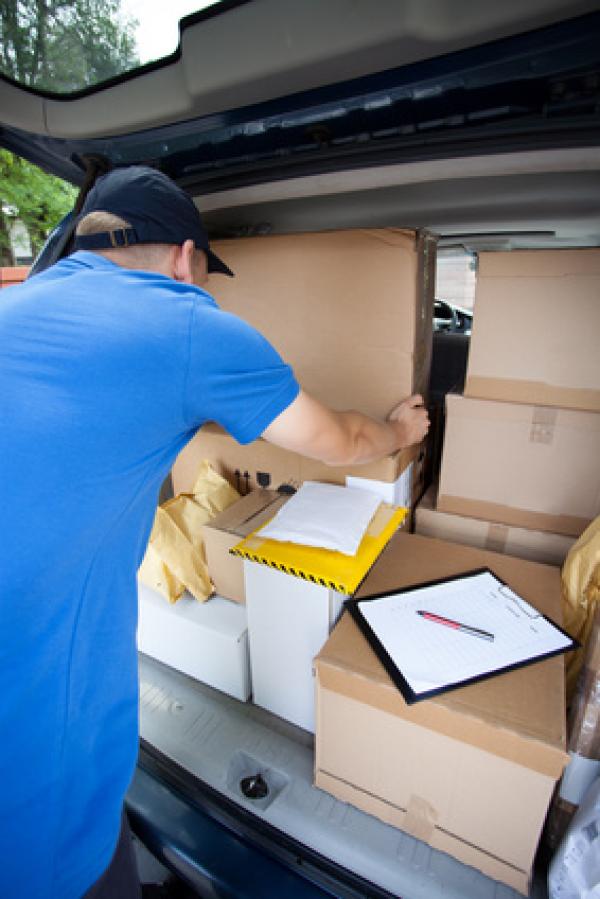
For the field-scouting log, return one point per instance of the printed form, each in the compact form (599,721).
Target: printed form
(441,635)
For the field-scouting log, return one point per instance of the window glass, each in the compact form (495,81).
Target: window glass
(63,47)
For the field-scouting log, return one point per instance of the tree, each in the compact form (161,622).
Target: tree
(31,196)
(58,46)
(65,45)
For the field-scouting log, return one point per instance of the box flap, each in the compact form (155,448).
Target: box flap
(519,715)
(248,513)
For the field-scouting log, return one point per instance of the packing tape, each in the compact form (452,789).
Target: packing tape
(421,819)
(497,535)
(579,774)
(543,424)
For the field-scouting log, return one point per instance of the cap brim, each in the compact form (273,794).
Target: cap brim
(216,265)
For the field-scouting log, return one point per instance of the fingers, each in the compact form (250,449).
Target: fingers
(412,404)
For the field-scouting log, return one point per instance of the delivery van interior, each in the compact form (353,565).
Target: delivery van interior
(282,734)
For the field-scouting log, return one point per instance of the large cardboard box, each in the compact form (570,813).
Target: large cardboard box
(537,318)
(470,772)
(351,311)
(262,464)
(229,527)
(529,466)
(206,640)
(538,546)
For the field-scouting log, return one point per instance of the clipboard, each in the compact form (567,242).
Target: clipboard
(425,657)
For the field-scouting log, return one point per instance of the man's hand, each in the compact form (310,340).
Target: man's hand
(411,420)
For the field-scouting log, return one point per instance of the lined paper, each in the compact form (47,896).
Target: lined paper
(431,656)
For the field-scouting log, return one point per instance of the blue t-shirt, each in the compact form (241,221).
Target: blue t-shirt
(105,374)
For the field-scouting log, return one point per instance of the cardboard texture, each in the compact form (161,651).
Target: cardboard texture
(535,328)
(351,311)
(225,530)
(208,641)
(537,546)
(470,772)
(529,466)
(261,464)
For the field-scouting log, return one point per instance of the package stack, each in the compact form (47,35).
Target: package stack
(351,312)
(471,771)
(520,470)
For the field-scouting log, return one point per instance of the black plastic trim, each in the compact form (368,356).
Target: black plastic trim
(255,831)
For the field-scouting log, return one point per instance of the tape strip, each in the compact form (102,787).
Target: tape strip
(421,819)
(543,424)
(497,535)
(578,776)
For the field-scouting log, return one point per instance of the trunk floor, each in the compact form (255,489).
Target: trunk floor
(220,741)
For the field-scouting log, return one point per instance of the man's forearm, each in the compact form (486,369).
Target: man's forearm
(346,438)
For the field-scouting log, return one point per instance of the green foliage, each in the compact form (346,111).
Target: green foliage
(29,194)
(65,45)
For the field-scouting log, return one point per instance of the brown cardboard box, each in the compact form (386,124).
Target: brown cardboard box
(538,546)
(228,528)
(470,772)
(529,466)
(351,311)
(261,464)
(535,328)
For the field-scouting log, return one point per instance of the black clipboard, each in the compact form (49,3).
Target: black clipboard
(393,667)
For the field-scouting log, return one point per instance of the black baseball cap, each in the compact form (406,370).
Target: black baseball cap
(157,209)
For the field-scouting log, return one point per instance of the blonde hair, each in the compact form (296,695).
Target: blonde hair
(141,255)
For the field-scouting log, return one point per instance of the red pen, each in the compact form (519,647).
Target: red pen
(456,625)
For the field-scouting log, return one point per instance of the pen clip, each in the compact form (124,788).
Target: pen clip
(523,606)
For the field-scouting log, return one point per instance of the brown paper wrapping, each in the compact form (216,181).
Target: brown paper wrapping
(581,595)
(583,728)
(175,559)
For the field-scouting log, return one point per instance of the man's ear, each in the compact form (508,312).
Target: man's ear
(182,262)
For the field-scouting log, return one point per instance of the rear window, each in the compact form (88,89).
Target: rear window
(64,48)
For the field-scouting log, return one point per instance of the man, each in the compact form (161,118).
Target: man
(110,360)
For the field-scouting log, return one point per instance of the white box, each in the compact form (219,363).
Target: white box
(289,620)
(208,641)
(396,493)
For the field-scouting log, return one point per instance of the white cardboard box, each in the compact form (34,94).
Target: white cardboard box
(208,641)
(396,493)
(289,620)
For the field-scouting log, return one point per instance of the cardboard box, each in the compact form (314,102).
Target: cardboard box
(351,311)
(470,772)
(530,466)
(264,465)
(228,528)
(206,640)
(538,546)
(535,326)
(289,620)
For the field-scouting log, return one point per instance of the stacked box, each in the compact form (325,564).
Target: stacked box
(472,771)
(522,444)
(222,533)
(524,543)
(520,465)
(351,311)
(205,640)
(535,327)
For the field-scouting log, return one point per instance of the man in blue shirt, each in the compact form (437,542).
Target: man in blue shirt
(110,361)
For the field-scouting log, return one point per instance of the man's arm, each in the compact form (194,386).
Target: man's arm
(346,438)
